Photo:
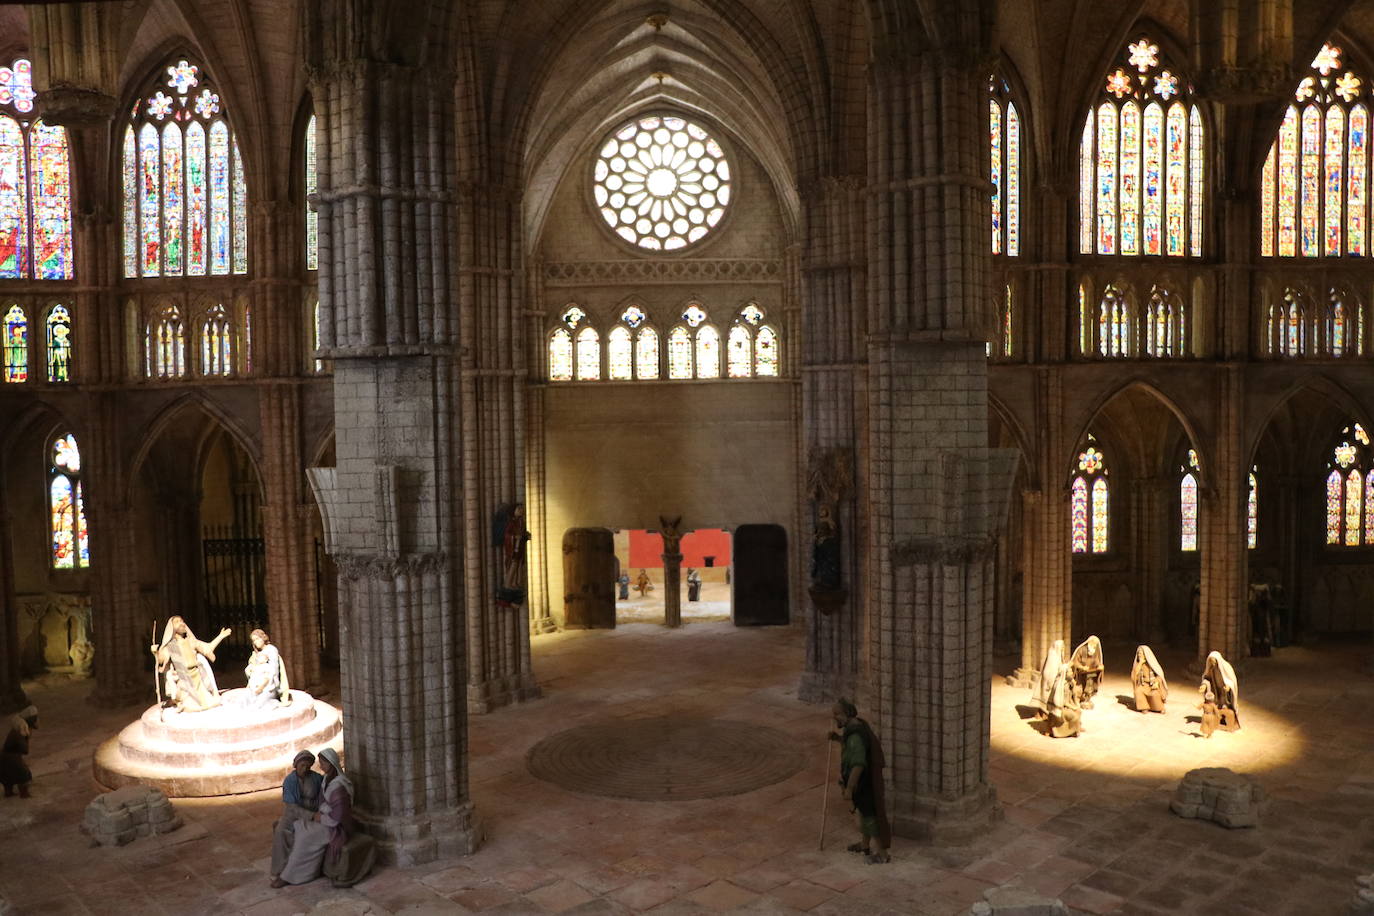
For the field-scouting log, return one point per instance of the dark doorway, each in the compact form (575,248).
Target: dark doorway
(589,578)
(760,577)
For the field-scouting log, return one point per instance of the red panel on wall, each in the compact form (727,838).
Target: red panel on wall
(646,548)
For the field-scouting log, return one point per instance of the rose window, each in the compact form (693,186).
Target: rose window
(661,183)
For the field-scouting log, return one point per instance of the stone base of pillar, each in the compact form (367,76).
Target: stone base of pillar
(822,687)
(423,838)
(484,698)
(542,625)
(1023,677)
(945,822)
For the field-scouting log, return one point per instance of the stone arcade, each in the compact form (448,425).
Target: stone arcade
(976,326)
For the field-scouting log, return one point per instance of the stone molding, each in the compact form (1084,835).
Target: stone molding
(663,270)
(382,567)
(943,551)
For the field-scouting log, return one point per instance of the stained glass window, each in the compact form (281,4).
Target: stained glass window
(1141,161)
(1349,487)
(1187,503)
(312,219)
(1007,340)
(66,510)
(708,352)
(216,336)
(1004,146)
(766,352)
(619,354)
(661,182)
(1252,511)
(59,334)
(740,358)
(1115,327)
(646,354)
(751,346)
(185,196)
(679,353)
(16,329)
(35,185)
(1287,330)
(165,345)
(588,355)
(1089,512)
(1313,197)
(314,307)
(560,356)
(1165,324)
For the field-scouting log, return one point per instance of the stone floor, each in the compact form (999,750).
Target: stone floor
(714,604)
(1086,819)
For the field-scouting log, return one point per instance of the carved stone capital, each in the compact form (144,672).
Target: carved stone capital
(76,107)
(355,566)
(1266,82)
(953,551)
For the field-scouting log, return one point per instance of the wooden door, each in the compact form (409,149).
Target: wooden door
(759,581)
(588,578)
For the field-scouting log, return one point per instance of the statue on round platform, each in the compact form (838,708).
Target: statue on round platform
(186,662)
(268,687)
(1088,668)
(1147,680)
(1220,677)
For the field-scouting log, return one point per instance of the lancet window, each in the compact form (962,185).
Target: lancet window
(1005,143)
(1314,198)
(35,185)
(165,345)
(632,347)
(564,358)
(1141,161)
(58,333)
(16,341)
(185,196)
(1188,503)
(67,512)
(216,343)
(312,186)
(1118,326)
(1252,510)
(1334,329)
(752,346)
(1089,501)
(1350,490)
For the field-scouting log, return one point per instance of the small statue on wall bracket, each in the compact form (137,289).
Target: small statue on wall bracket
(829,478)
(509,534)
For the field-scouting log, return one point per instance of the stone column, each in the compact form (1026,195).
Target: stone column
(936,491)
(1222,624)
(833,409)
(12,696)
(394,504)
(288,541)
(1152,528)
(672,589)
(1047,587)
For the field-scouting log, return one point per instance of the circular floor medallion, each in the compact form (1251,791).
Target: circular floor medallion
(665,759)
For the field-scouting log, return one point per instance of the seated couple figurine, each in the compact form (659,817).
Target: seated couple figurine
(315,835)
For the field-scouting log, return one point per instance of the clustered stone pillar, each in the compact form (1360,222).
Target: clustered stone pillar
(1151,528)
(936,491)
(394,504)
(12,697)
(1222,622)
(834,408)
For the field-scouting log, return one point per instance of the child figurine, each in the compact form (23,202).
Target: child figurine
(1211,719)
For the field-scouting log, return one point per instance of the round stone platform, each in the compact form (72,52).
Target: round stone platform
(227,750)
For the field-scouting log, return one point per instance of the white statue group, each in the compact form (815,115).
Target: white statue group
(1066,688)
(185,666)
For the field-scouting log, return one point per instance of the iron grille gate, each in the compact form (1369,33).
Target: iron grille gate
(235,594)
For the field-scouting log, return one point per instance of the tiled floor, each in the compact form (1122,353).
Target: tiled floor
(1087,818)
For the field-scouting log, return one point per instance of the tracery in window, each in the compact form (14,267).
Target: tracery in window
(568,361)
(1142,161)
(59,340)
(661,182)
(66,509)
(312,186)
(752,348)
(16,330)
(1287,328)
(632,347)
(35,185)
(165,345)
(1349,488)
(1188,503)
(1165,324)
(185,197)
(216,336)
(1089,510)
(1004,148)
(1314,200)
(1115,327)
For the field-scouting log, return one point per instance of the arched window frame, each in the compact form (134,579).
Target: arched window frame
(217,343)
(14,337)
(161,198)
(165,344)
(314,363)
(1288,325)
(1314,196)
(1143,79)
(1090,501)
(68,540)
(636,329)
(35,159)
(1189,502)
(1349,489)
(1006,154)
(311,179)
(693,321)
(1164,324)
(752,327)
(1340,333)
(1116,324)
(1252,509)
(572,322)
